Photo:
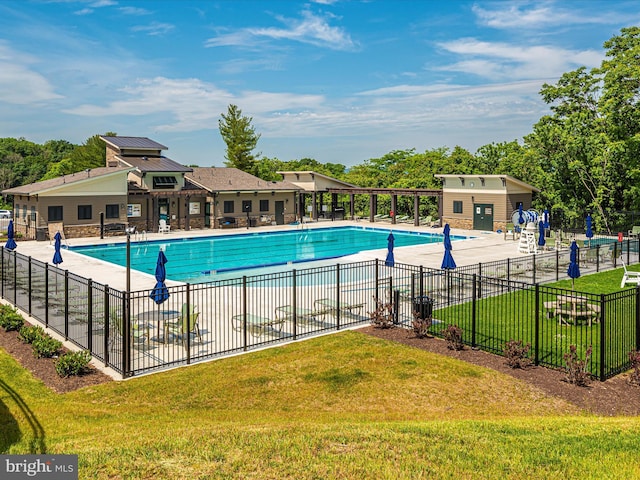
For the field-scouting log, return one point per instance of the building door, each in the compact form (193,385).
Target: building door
(279,212)
(207,214)
(483,216)
(163,209)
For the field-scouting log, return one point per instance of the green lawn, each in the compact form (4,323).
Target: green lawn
(345,406)
(512,316)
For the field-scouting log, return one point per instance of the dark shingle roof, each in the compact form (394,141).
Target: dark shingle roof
(138,143)
(154,164)
(44,185)
(232,179)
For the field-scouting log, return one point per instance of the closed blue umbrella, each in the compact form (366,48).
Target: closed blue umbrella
(389,262)
(545,218)
(541,240)
(589,232)
(11,243)
(574,270)
(57,256)
(160,292)
(447,262)
(520,215)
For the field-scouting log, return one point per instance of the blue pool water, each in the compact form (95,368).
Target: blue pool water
(198,259)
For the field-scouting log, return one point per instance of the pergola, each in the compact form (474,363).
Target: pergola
(373,193)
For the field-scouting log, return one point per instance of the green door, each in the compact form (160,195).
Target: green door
(483,216)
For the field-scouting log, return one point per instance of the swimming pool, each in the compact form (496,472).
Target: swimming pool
(197,259)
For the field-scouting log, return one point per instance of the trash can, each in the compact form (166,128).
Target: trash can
(41,234)
(423,306)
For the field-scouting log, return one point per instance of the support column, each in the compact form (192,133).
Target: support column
(352,205)
(416,210)
(314,206)
(394,208)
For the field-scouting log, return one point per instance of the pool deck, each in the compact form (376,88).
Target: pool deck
(484,247)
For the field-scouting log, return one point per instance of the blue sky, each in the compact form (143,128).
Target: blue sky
(340,81)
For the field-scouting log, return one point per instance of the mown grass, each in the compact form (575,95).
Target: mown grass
(512,315)
(341,406)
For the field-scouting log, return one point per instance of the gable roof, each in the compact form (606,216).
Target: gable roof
(137,143)
(46,185)
(153,164)
(223,179)
(303,177)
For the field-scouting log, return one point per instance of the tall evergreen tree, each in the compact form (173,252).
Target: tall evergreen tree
(241,139)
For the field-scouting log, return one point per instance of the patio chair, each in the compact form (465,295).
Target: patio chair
(510,231)
(257,325)
(629,276)
(115,323)
(302,315)
(635,231)
(426,221)
(186,324)
(163,227)
(329,305)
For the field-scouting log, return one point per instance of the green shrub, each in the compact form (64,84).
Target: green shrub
(10,319)
(46,347)
(29,333)
(453,336)
(517,354)
(73,363)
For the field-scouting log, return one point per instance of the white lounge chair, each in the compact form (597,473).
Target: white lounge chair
(164,227)
(629,276)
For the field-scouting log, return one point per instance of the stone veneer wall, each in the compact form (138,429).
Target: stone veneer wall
(462,223)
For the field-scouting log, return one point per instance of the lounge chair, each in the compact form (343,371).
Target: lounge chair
(186,324)
(635,231)
(629,276)
(163,227)
(330,306)
(404,219)
(426,221)
(256,325)
(137,333)
(302,315)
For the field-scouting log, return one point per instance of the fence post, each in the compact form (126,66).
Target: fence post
(3,270)
(534,269)
(294,300)
(603,339)
(421,281)
(90,315)
(338,309)
(598,258)
(126,353)
(106,324)
(188,332)
(377,280)
(473,312)
(30,288)
(479,293)
(244,313)
(557,264)
(15,279)
(637,317)
(536,346)
(46,294)
(66,304)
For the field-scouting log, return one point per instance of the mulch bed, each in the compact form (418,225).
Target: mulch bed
(45,368)
(615,396)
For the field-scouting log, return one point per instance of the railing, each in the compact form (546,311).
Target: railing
(493,302)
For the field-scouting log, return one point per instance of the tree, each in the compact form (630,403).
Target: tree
(241,139)
(91,154)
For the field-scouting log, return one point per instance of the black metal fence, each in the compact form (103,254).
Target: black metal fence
(492,302)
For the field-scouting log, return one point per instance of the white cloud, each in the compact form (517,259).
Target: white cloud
(134,11)
(191,103)
(310,28)
(153,29)
(503,60)
(534,15)
(19,83)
